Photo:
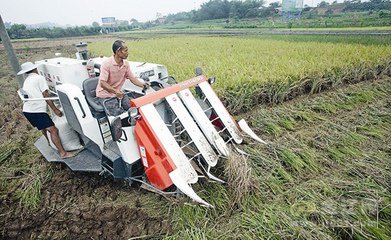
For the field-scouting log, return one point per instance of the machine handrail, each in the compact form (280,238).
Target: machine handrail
(81,107)
(25,99)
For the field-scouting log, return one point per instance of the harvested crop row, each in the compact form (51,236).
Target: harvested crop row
(325,175)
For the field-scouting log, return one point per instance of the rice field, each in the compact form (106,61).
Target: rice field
(258,70)
(322,102)
(326,173)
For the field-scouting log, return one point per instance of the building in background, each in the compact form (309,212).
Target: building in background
(291,9)
(108,24)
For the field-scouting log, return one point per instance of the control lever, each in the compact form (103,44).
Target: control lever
(198,71)
(146,80)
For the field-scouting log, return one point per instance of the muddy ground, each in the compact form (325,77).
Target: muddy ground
(73,205)
(76,206)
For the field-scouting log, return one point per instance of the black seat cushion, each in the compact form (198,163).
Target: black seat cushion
(89,87)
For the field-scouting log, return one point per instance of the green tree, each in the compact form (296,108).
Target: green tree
(329,12)
(323,4)
(95,24)
(233,12)
(18,31)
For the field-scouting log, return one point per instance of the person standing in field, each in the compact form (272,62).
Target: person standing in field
(113,73)
(35,86)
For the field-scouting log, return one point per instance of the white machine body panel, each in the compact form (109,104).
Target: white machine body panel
(129,148)
(165,137)
(63,70)
(74,71)
(221,111)
(203,122)
(87,122)
(194,132)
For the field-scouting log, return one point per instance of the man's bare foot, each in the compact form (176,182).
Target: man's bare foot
(67,155)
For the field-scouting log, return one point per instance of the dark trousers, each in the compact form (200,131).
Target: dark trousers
(112,105)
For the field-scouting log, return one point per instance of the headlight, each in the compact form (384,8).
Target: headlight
(133,112)
(211,80)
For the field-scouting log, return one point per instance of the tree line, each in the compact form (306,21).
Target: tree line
(372,5)
(221,9)
(213,9)
(20,31)
(236,9)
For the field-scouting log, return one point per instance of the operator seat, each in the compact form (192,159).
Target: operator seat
(89,87)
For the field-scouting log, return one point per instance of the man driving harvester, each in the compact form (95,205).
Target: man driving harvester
(113,73)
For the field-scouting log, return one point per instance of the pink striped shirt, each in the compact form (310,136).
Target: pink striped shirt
(114,74)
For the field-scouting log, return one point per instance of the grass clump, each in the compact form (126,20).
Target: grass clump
(240,178)
(291,160)
(22,173)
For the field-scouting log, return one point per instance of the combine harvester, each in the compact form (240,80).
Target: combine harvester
(166,141)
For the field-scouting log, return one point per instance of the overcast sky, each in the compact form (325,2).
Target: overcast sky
(84,12)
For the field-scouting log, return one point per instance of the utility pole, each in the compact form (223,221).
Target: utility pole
(5,39)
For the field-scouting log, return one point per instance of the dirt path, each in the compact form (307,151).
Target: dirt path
(80,207)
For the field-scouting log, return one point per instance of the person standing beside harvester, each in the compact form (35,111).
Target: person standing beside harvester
(35,86)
